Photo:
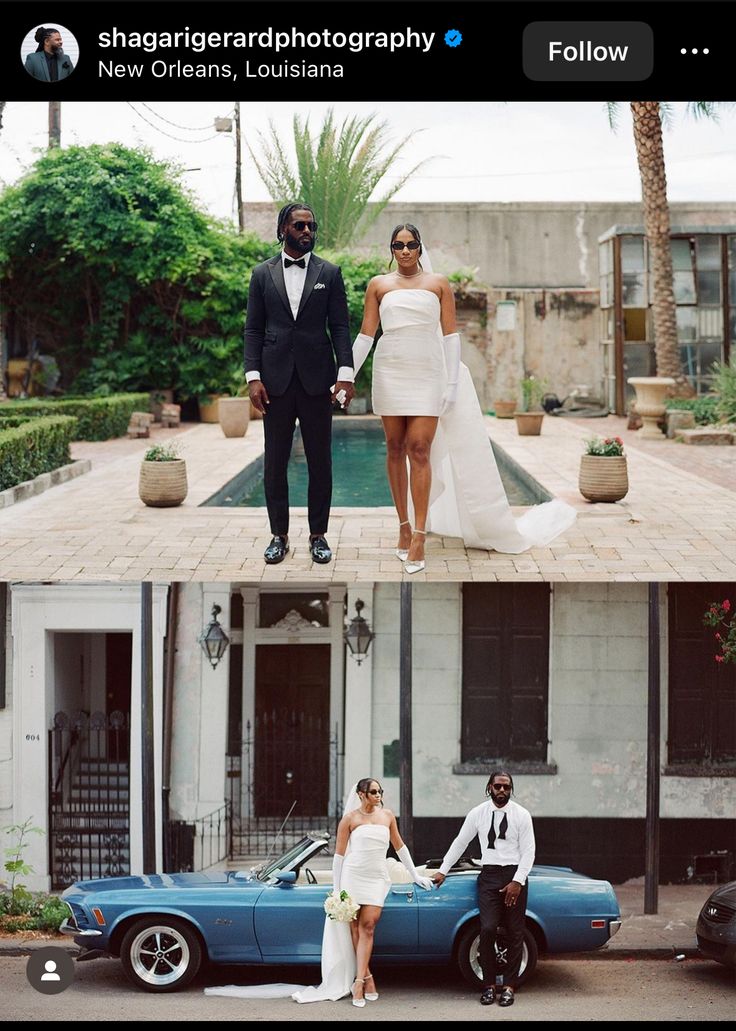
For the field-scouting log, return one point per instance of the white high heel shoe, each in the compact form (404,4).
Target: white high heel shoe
(358,1002)
(370,996)
(417,565)
(403,553)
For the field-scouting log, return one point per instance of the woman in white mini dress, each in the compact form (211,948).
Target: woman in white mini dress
(440,462)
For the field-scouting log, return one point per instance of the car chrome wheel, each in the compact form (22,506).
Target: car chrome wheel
(160,956)
(501,956)
(468,954)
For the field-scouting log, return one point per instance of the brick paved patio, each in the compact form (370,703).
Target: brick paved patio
(678,521)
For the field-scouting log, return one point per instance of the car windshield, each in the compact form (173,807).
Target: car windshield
(286,860)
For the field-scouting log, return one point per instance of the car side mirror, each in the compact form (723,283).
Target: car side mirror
(285,877)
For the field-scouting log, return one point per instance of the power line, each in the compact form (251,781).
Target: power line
(178,139)
(189,128)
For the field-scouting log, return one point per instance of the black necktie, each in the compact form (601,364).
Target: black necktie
(299,262)
(501,830)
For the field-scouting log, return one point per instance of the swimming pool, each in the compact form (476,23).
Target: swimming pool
(358,473)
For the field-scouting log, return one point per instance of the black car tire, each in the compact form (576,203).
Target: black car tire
(468,954)
(180,954)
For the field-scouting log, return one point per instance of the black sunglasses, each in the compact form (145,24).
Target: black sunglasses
(412,245)
(300,225)
(500,787)
(375,791)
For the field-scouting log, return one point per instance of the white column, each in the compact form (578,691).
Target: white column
(359,699)
(337,681)
(213,709)
(250,624)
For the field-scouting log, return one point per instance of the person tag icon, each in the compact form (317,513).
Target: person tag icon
(50,970)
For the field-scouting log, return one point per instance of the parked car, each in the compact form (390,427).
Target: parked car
(716,926)
(164,926)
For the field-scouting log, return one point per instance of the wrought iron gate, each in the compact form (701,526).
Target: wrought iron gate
(288,764)
(89,797)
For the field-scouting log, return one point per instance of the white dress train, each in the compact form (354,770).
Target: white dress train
(467,497)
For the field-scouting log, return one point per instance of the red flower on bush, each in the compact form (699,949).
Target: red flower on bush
(717,615)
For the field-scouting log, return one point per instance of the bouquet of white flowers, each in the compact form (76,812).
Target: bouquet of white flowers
(340,907)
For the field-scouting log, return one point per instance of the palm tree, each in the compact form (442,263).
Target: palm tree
(648,117)
(336,172)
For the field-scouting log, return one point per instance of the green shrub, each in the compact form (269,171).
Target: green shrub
(97,418)
(704,408)
(725,386)
(36,447)
(50,913)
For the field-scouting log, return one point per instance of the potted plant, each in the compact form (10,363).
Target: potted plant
(603,472)
(163,477)
(529,417)
(234,410)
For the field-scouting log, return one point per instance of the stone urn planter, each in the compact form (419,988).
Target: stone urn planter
(603,478)
(529,424)
(651,392)
(234,415)
(163,478)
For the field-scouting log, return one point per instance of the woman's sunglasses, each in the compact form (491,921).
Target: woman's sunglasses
(375,791)
(412,245)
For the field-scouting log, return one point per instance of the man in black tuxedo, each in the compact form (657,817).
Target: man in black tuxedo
(294,299)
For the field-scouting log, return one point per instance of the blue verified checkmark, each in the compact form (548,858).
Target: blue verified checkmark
(453,37)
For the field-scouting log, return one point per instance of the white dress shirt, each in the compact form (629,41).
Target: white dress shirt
(517,849)
(294,279)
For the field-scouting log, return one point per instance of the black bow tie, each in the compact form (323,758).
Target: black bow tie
(502,829)
(299,262)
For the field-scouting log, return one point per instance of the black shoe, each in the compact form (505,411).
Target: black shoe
(277,549)
(319,549)
(488,997)
(506,998)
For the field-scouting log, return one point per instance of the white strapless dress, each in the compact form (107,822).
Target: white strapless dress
(365,874)
(467,497)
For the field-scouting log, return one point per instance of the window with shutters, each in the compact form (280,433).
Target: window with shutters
(505,671)
(702,692)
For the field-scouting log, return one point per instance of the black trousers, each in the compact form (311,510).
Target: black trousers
(494,913)
(315,421)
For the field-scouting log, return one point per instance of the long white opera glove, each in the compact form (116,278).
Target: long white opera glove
(451,347)
(405,857)
(361,349)
(337,862)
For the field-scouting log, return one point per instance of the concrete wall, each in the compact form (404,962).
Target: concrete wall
(597,708)
(542,244)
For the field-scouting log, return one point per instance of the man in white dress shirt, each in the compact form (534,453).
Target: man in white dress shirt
(506,837)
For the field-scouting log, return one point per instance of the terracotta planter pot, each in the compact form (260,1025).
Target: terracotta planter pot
(234,415)
(504,409)
(651,394)
(529,424)
(209,409)
(163,484)
(603,478)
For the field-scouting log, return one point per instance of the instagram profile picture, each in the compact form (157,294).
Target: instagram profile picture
(49,52)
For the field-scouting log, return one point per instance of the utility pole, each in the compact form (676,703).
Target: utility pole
(54,124)
(651,875)
(148,800)
(405,728)
(238,178)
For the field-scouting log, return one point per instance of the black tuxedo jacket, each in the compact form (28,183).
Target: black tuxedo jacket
(276,343)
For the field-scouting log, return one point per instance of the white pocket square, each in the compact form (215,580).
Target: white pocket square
(319,286)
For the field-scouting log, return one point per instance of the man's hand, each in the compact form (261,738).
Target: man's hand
(511,893)
(258,396)
(438,879)
(348,387)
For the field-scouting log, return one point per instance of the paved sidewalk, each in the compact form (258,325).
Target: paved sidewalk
(675,524)
(668,933)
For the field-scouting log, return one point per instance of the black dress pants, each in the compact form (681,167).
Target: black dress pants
(315,421)
(494,913)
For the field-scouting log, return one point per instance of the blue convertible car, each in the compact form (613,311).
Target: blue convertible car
(164,926)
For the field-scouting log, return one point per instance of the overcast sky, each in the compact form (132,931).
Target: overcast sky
(480,152)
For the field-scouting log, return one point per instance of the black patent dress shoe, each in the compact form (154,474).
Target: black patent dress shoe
(277,549)
(319,549)
(488,997)
(506,998)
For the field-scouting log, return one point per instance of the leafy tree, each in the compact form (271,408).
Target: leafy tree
(336,172)
(648,116)
(106,260)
